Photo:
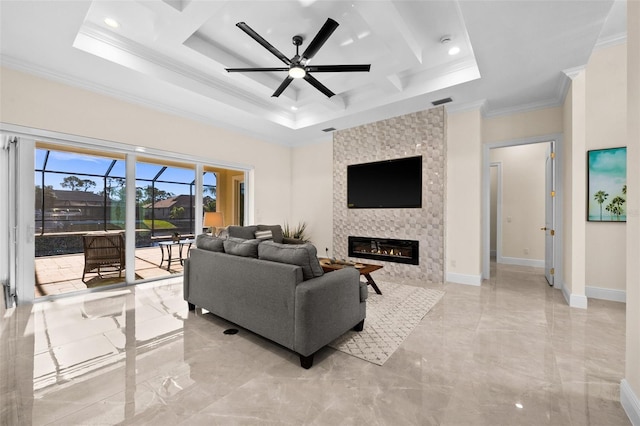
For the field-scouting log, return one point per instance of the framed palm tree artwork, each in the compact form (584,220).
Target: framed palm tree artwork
(607,185)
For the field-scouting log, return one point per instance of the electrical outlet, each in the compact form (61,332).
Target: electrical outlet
(453,263)
(526,251)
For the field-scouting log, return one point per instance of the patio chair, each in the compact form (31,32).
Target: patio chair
(103,250)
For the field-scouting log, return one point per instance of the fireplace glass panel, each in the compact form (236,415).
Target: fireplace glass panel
(385,249)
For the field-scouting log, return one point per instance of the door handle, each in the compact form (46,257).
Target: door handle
(543,229)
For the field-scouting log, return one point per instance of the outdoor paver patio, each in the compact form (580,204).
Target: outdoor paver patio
(63,274)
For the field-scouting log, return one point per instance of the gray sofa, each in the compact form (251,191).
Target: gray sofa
(275,290)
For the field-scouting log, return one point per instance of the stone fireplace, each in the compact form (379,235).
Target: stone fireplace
(421,133)
(385,249)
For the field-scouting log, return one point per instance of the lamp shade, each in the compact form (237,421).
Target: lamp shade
(213,219)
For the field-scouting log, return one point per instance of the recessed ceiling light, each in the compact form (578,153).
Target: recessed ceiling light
(454,50)
(111,22)
(294,108)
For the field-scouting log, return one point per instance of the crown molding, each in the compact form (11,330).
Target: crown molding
(93,39)
(563,89)
(39,71)
(612,40)
(572,73)
(519,109)
(455,108)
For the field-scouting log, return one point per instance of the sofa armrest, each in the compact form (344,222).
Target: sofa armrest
(326,308)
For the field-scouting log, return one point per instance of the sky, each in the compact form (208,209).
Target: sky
(77,164)
(608,173)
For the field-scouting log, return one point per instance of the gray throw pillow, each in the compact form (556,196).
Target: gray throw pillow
(276,232)
(207,242)
(241,247)
(304,255)
(244,232)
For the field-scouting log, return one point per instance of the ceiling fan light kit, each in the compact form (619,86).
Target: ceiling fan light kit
(297,72)
(297,66)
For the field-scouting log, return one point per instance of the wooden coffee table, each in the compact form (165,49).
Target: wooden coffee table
(364,268)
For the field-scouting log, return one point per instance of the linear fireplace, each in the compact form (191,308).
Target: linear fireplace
(389,250)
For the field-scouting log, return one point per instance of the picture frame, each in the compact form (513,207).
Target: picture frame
(607,185)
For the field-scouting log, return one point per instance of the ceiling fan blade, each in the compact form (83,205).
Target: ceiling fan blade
(285,83)
(256,69)
(257,37)
(325,32)
(338,68)
(321,87)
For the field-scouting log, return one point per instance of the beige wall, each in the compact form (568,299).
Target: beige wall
(606,118)
(463,201)
(577,192)
(567,182)
(43,104)
(523,202)
(493,209)
(632,373)
(312,188)
(523,125)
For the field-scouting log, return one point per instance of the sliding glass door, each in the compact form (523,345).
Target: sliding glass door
(77,216)
(165,217)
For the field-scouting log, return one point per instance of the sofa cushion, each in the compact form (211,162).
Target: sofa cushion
(244,232)
(241,247)
(304,255)
(276,232)
(207,242)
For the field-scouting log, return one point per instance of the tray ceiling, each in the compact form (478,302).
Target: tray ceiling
(172,55)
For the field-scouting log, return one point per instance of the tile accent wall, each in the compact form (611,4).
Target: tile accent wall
(420,133)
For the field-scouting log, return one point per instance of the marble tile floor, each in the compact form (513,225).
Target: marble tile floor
(510,352)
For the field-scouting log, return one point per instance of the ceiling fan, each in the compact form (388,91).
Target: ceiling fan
(298,66)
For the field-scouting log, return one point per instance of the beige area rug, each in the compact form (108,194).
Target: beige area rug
(391,317)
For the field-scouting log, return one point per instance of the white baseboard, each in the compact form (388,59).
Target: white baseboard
(630,402)
(574,300)
(578,301)
(452,277)
(536,263)
(606,294)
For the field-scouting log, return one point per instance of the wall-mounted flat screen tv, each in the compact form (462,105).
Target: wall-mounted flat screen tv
(385,184)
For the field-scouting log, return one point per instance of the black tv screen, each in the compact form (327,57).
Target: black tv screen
(385,184)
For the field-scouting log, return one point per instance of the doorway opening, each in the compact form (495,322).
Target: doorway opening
(521,205)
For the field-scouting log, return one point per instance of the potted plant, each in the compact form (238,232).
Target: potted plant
(297,233)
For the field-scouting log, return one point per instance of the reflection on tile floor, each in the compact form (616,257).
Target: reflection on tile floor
(138,356)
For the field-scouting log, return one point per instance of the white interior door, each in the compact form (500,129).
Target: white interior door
(549,225)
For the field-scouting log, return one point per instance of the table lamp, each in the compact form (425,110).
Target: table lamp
(213,220)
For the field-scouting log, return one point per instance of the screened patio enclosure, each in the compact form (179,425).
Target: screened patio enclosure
(78,192)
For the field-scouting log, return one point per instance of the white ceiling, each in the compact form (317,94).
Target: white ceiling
(172,55)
